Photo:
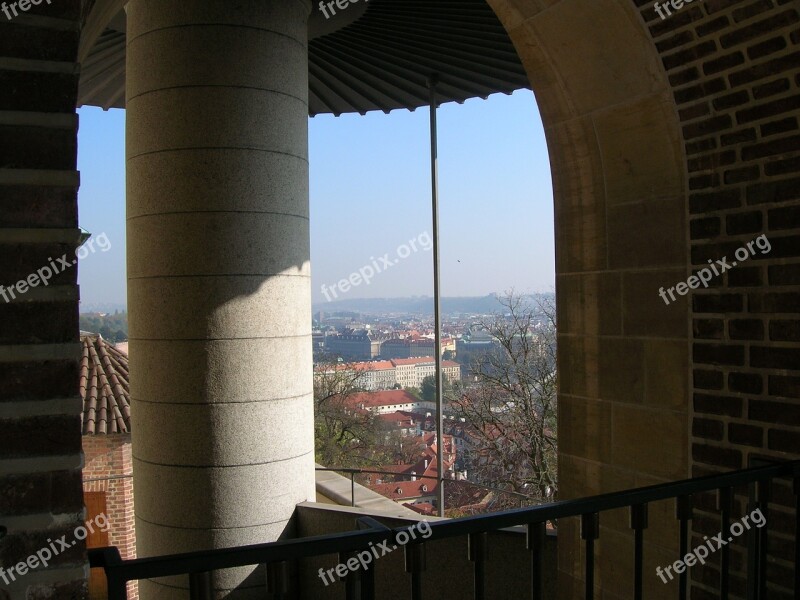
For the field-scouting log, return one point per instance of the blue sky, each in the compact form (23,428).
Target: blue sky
(370,193)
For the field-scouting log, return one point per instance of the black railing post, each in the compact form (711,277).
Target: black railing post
(476,552)
(278,579)
(200,586)
(590,531)
(366,577)
(725,506)
(352,488)
(351,579)
(762,503)
(796,486)
(415,564)
(684,514)
(109,560)
(117,587)
(534,541)
(351,586)
(638,524)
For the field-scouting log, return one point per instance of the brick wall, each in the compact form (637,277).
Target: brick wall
(735,70)
(40,443)
(108,468)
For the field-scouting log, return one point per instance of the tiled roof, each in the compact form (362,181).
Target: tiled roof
(104,387)
(402,418)
(401,490)
(425,469)
(373,365)
(377,365)
(423,508)
(382,398)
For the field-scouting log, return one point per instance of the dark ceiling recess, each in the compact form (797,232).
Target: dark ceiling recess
(382,61)
(379,62)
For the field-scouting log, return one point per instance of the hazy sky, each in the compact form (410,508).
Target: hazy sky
(370,194)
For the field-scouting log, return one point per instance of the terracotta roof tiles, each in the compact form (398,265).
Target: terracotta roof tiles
(104,387)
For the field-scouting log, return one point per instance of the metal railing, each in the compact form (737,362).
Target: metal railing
(521,498)
(360,584)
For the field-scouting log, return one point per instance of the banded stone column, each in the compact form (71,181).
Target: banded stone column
(218,275)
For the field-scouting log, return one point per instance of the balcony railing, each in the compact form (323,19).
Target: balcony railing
(360,584)
(518,498)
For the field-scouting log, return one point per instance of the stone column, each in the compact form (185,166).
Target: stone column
(218,275)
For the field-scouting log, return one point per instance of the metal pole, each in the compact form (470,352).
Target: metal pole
(437,314)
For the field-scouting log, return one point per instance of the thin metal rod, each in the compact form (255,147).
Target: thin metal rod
(476,552)
(534,541)
(639,520)
(684,514)
(725,507)
(117,588)
(277,580)
(415,564)
(367,580)
(416,586)
(200,586)
(590,531)
(796,486)
(638,563)
(763,497)
(437,308)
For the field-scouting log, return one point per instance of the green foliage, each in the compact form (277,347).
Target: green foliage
(415,391)
(428,391)
(113,328)
(429,388)
(344,435)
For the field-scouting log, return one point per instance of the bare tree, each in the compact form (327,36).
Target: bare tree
(509,412)
(344,434)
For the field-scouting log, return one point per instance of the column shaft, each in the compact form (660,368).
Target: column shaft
(218,275)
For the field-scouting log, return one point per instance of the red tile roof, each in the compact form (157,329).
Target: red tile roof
(423,508)
(375,365)
(371,365)
(402,418)
(400,490)
(382,398)
(104,387)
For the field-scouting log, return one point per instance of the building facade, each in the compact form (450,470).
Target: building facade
(353,346)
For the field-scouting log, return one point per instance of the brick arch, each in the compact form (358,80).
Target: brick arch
(619,186)
(672,142)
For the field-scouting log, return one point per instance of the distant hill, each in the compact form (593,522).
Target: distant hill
(112,326)
(422,305)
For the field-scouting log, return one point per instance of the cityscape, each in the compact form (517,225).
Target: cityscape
(375,398)
(375,392)
(391,299)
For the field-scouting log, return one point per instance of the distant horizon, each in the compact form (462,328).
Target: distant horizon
(92,307)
